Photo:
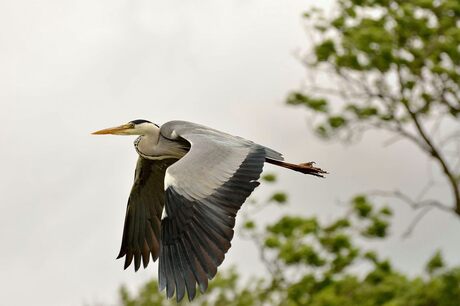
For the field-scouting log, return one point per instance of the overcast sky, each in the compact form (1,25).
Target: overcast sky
(68,68)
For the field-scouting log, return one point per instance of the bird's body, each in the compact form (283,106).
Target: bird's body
(190,181)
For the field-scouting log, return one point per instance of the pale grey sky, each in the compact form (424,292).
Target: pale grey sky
(68,68)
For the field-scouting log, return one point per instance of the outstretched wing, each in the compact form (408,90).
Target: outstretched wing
(204,190)
(141,233)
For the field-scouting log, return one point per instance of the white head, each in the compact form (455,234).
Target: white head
(136,127)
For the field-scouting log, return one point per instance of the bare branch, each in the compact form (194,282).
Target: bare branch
(417,204)
(434,151)
(414,204)
(455,136)
(392,140)
(415,221)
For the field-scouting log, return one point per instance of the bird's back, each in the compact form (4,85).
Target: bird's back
(178,128)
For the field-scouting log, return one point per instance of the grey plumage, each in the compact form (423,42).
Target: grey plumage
(200,177)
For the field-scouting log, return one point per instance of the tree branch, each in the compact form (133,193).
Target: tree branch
(415,221)
(414,204)
(435,153)
(423,205)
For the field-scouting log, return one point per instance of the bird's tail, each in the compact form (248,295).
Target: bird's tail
(306,168)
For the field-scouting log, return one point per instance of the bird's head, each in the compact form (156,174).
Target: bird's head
(135,127)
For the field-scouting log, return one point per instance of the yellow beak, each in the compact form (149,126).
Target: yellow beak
(118,130)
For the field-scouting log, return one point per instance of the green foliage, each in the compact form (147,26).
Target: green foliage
(311,263)
(319,105)
(392,66)
(249,224)
(377,223)
(279,197)
(222,291)
(362,207)
(336,122)
(325,50)
(392,59)
(269,178)
(435,263)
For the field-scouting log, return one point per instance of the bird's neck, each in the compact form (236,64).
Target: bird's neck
(145,144)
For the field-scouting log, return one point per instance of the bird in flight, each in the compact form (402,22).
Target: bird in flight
(190,181)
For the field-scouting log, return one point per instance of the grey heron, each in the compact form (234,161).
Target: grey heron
(190,181)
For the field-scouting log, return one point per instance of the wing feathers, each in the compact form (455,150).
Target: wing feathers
(128,259)
(169,273)
(145,254)
(161,270)
(206,258)
(197,232)
(142,222)
(185,270)
(220,235)
(178,274)
(195,265)
(137,260)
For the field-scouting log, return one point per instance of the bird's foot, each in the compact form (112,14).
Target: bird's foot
(311,169)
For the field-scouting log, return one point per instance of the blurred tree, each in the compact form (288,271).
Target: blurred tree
(310,262)
(394,65)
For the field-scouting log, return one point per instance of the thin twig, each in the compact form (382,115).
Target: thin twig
(415,221)
(412,203)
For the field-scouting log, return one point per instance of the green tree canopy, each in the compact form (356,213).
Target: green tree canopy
(394,65)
